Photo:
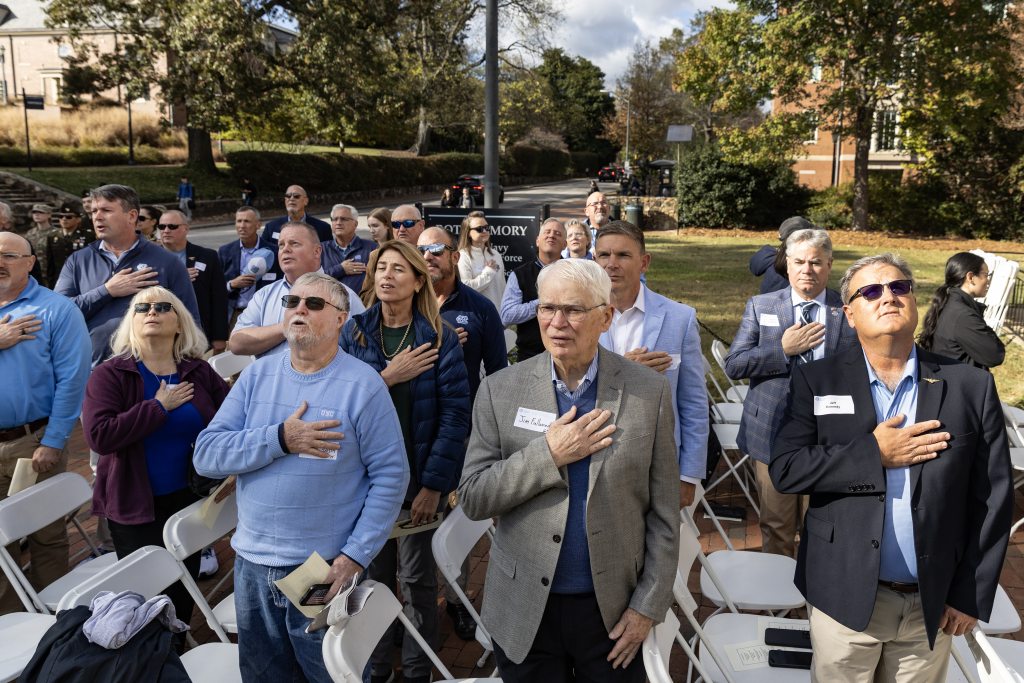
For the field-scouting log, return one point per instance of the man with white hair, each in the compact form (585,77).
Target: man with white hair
(345,256)
(314,439)
(574,452)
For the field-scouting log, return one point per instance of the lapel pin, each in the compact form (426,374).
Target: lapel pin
(931,380)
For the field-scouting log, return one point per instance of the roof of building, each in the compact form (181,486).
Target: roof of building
(22,15)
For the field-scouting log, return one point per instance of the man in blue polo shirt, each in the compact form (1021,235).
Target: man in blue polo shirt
(345,255)
(102,277)
(44,352)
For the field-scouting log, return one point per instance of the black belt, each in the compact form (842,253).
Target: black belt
(12,433)
(899,587)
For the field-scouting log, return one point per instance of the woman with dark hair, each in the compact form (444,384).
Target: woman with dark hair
(402,336)
(379,224)
(955,324)
(149,216)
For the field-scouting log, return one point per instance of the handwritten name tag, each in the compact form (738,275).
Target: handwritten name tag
(270,276)
(768,320)
(534,420)
(833,405)
(200,266)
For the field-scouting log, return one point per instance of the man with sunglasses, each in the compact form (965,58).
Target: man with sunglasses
(260,329)
(44,363)
(407,222)
(204,271)
(905,458)
(295,202)
(102,277)
(71,237)
(313,436)
(796,325)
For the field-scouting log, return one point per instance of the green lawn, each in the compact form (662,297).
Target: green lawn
(710,274)
(155,184)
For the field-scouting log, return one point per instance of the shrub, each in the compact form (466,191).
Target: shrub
(100,127)
(584,163)
(526,161)
(832,208)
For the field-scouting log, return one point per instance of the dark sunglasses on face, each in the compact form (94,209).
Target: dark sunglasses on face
(293,195)
(875,291)
(158,306)
(482,228)
(433,249)
(168,226)
(313,303)
(66,215)
(407,223)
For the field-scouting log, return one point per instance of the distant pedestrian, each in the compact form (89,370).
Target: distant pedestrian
(467,200)
(448,199)
(186,197)
(248,192)
(593,188)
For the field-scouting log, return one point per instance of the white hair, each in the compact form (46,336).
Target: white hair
(582,272)
(352,211)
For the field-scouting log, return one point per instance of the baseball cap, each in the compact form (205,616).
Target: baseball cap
(792,224)
(70,207)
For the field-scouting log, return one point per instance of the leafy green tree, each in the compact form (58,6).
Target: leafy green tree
(580,103)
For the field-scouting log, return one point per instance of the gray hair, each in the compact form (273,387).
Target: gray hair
(552,220)
(127,196)
(816,237)
(250,209)
(887,259)
(6,211)
(336,293)
(352,211)
(582,272)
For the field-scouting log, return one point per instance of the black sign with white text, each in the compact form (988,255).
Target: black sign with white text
(513,231)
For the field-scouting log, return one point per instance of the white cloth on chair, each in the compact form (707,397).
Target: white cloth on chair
(116,617)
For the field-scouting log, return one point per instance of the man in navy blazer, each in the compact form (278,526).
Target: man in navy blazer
(905,458)
(295,202)
(661,334)
(234,259)
(772,339)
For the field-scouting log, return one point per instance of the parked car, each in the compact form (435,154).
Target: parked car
(475,183)
(609,174)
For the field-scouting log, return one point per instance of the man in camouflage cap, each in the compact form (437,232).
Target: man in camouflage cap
(70,237)
(38,235)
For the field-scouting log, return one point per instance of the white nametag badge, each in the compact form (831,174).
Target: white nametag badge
(833,405)
(534,420)
(676,358)
(200,266)
(275,235)
(270,276)
(769,320)
(325,414)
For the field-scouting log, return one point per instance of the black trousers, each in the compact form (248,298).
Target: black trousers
(571,645)
(130,537)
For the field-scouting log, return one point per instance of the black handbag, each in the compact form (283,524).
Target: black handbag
(197,483)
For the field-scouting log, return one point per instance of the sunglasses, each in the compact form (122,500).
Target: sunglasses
(67,215)
(158,306)
(874,292)
(168,226)
(293,195)
(313,303)
(407,223)
(433,249)
(483,228)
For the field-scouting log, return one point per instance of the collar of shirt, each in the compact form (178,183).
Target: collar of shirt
(288,285)
(588,379)
(248,250)
(114,257)
(627,328)
(798,300)
(25,293)
(905,395)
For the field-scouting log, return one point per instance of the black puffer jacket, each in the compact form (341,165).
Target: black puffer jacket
(961,333)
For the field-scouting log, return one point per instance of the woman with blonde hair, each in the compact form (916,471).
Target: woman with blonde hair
(144,408)
(379,224)
(577,238)
(402,336)
(480,265)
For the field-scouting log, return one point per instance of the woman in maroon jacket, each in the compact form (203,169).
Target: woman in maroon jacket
(143,410)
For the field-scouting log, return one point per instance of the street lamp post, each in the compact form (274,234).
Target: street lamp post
(3,75)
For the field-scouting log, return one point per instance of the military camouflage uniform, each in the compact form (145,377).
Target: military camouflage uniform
(38,237)
(61,245)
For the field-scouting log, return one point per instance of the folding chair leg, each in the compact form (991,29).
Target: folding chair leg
(714,520)
(733,471)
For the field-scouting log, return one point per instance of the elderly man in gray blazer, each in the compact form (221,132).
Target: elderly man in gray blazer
(579,467)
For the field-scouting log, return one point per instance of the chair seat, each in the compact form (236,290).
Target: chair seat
(755,581)
(52,594)
(728,630)
(1004,618)
(213,663)
(225,614)
(20,634)
(738,393)
(731,413)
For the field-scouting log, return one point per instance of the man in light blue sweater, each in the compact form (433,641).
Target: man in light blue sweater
(315,441)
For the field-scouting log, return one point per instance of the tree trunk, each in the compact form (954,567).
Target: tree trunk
(200,150)
(862,121)
(422,145)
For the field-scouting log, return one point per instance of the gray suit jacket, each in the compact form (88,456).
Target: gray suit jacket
(632,501)
(756,354)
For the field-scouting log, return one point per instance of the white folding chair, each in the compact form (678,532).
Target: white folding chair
(149,571)
(727,436)
(657,649)
(228,365)
(737,391)
(746,580)
(32,509)
(452,543)
(20,634)
(348,645)
(185,535)
(722,409)
(722,632)
(980,659)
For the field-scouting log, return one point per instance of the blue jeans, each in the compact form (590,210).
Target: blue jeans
(272,641)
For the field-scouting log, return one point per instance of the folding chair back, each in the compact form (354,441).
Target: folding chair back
(228,365)
(148,571)
(30,510)
(185,533)
(454,540)
(989,667)
(657,649)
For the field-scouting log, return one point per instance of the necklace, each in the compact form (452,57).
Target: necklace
(389,356)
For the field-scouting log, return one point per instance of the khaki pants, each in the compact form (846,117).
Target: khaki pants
(782,515)
(893,648)
(49,545)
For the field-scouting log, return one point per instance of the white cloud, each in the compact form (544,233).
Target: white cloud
(605,31)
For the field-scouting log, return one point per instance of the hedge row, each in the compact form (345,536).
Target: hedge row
(84,156)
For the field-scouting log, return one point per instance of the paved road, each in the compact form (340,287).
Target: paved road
(566,199)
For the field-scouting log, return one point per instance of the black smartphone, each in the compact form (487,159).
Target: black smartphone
(785,637)
(788,659)
(316,595)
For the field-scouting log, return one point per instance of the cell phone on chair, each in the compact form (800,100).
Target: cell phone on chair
(787,637)
(789,659)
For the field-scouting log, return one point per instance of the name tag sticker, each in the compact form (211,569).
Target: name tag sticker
(676,358)
(200,266)
(768,320)
(270,276)
(275,235)
(534,420)
(833,405)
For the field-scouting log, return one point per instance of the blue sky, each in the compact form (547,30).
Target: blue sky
(604,31)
